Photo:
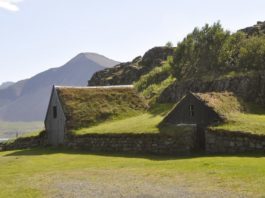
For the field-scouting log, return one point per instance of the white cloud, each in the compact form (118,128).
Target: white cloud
(10,5)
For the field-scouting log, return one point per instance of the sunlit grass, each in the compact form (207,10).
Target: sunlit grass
(147,122)
(38,172)
(244,122)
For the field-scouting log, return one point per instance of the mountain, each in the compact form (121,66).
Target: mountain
(5,85)
(28,99)
(127,73)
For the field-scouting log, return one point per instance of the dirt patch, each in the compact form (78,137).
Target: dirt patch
(118,184)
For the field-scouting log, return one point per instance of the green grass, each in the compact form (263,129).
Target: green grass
(154,82)
(42,172)
(144,123)
(244,122)
(250,120)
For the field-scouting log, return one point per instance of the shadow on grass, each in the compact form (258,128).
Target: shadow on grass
(52,150)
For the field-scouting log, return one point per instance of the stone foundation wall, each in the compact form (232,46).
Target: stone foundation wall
(134,143)
(233,142)
(23,143)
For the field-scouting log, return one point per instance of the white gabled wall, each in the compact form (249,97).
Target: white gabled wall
(55,127)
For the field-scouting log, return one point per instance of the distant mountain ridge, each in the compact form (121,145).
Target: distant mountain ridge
(27,100)
(5,85)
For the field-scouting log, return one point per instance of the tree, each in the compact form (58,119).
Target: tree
(169,44)
(199,52)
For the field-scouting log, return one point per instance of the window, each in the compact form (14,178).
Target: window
(191,110)
(54,110)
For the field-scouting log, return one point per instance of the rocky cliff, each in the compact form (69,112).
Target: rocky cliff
(251,88)
(127,73)
(255,30)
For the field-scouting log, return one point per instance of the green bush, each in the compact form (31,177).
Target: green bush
(212,51)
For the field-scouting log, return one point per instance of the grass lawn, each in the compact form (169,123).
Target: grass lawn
(62,173)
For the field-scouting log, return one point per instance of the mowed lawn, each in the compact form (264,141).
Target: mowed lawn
(63,173)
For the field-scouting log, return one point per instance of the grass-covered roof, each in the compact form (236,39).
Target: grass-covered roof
(84,107)
(223,103)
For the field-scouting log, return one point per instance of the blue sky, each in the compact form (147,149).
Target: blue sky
(39,34)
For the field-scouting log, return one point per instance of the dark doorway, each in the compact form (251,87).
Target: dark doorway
(200,138)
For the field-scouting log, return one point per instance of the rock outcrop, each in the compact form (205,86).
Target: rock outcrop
(255,30)
(250,88)
(127,73)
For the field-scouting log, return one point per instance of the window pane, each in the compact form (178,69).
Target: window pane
(54,112)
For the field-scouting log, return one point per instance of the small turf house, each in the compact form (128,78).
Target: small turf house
(79,107)
(203,109)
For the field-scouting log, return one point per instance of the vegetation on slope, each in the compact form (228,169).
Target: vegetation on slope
(63,173)
(212,51)
(224,103)
(128,73)
(238,115)
(251,120)
(153,83)
(208,53)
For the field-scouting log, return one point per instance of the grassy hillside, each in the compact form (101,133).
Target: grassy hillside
(62,173)
(206,54)
(153,83)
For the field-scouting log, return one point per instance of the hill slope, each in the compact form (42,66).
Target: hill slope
(27,100)
(128,73)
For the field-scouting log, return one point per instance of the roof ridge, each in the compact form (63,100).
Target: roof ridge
(94,87)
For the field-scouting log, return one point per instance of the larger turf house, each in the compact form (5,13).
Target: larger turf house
(76,107)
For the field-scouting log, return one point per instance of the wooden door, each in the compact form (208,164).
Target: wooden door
(200,138)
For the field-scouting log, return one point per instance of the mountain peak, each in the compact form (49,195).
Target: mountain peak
(94,57)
